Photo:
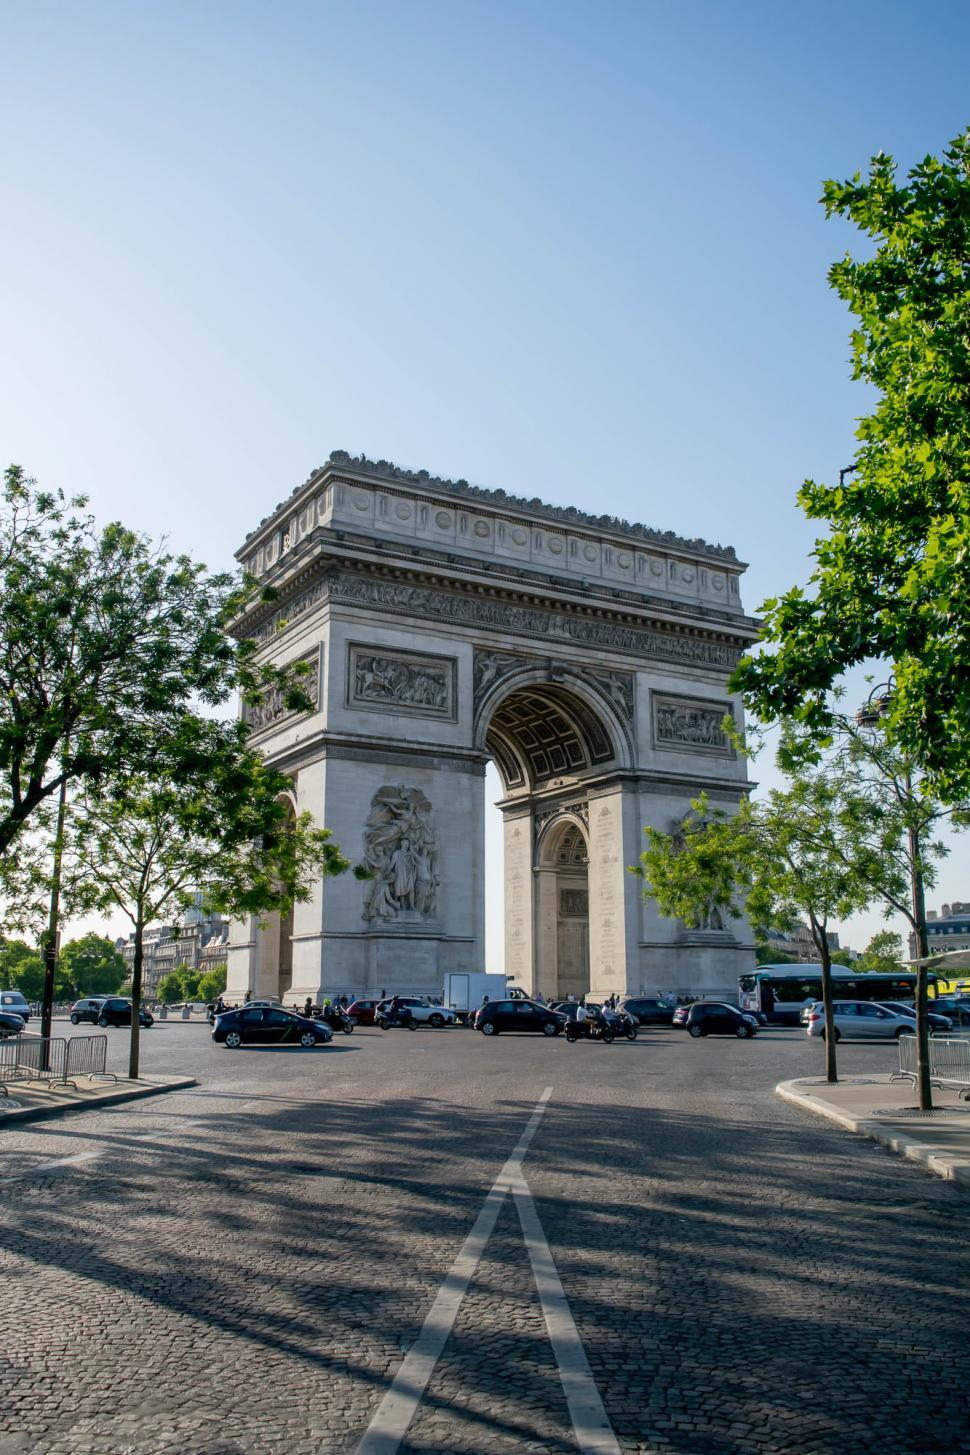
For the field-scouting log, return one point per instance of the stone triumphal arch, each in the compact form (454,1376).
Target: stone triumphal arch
(446,625)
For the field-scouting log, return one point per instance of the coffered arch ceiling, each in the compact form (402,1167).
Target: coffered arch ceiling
(538,733)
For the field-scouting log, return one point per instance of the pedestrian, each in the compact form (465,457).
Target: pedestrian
(308,1007)
(247,997)
(570,997)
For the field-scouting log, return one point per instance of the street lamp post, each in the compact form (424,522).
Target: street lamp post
(876,707)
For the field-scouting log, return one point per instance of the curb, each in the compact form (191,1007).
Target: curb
(110,1098)
(943,1164)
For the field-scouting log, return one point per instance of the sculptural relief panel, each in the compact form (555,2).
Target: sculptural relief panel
(692,724)
(273,708)
(401,852)
(412,682)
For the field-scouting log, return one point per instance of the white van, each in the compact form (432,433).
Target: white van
(12,1000)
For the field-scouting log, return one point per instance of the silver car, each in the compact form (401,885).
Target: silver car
(425,1012)
(860,1020)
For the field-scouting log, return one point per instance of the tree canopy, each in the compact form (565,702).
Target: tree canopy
(106,642)
(92,966)
(892,575)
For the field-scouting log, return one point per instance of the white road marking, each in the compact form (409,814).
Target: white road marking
(396,1410)
(593,1431)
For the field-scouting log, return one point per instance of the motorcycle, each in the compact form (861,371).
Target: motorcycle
(388,1019)
(590,1030)
(335,1016)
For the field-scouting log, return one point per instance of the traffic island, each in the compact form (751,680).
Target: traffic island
(887,1112)
(34,1102)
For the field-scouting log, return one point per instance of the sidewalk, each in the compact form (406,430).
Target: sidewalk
(888,1112)
(32,1102)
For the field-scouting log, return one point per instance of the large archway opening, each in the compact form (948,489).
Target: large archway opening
(548,740)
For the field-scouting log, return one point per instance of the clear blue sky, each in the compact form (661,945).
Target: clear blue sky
(572,250)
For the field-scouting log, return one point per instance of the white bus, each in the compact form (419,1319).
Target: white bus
(780,991)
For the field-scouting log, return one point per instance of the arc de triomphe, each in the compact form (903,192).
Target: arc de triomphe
(446,625)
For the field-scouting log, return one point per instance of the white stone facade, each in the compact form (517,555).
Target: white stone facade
(445,626)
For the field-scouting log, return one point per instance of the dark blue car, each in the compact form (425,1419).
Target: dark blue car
(269,1026)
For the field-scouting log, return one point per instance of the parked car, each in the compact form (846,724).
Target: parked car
(860,1020)
(11,1025)
(269,1025)
(88,1009)
(648,1010)
(116,1011)
(15,1003)
(518,1015)
(424,1012)
(936,1020)
(362,1011)
(956,1011)
(717,1018)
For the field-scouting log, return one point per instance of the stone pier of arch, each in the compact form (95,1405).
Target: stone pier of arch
(446,626)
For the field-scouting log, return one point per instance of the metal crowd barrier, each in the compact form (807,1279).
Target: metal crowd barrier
(86,1056)
(949,1063)
(52,1059)
(33,1058)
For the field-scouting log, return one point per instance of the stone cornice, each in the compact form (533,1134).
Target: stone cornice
(343,465)
(302,583)
(540,619)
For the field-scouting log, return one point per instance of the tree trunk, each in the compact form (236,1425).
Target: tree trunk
(51,936)
(135,1000)
(831,1071)
(922,951)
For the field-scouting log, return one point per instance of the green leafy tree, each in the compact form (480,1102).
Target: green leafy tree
(882,955)
(891,579)
(21,968)
(92,966)
(212,984)
(170,989)
(105,642)
(213,819)
(841,957)
(188,979)
(799,852)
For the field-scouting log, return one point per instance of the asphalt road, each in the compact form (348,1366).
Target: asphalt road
(243,1267)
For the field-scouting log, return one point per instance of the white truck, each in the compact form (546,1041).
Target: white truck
(464,993)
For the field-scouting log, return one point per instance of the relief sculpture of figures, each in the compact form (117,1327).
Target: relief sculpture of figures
(389,679)
(401,852)
(681,724)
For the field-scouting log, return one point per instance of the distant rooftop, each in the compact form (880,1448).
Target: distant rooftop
(564,514)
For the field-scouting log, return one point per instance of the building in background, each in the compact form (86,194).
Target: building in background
(799,943)
(200,942)
(948,930)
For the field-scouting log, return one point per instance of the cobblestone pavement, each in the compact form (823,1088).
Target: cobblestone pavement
(241,1268)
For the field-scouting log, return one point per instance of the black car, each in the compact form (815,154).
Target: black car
(88,1009)
(648,1010)
(116,1011)
(269,1025)
(714,1018)
(937,1018)
(10,1024)
(518,1015)
(956,1011)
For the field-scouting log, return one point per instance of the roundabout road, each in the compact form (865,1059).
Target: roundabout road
(673,1260)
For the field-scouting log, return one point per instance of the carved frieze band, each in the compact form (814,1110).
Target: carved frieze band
(412,682)
(273,709)
(685,722)
(535,621)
